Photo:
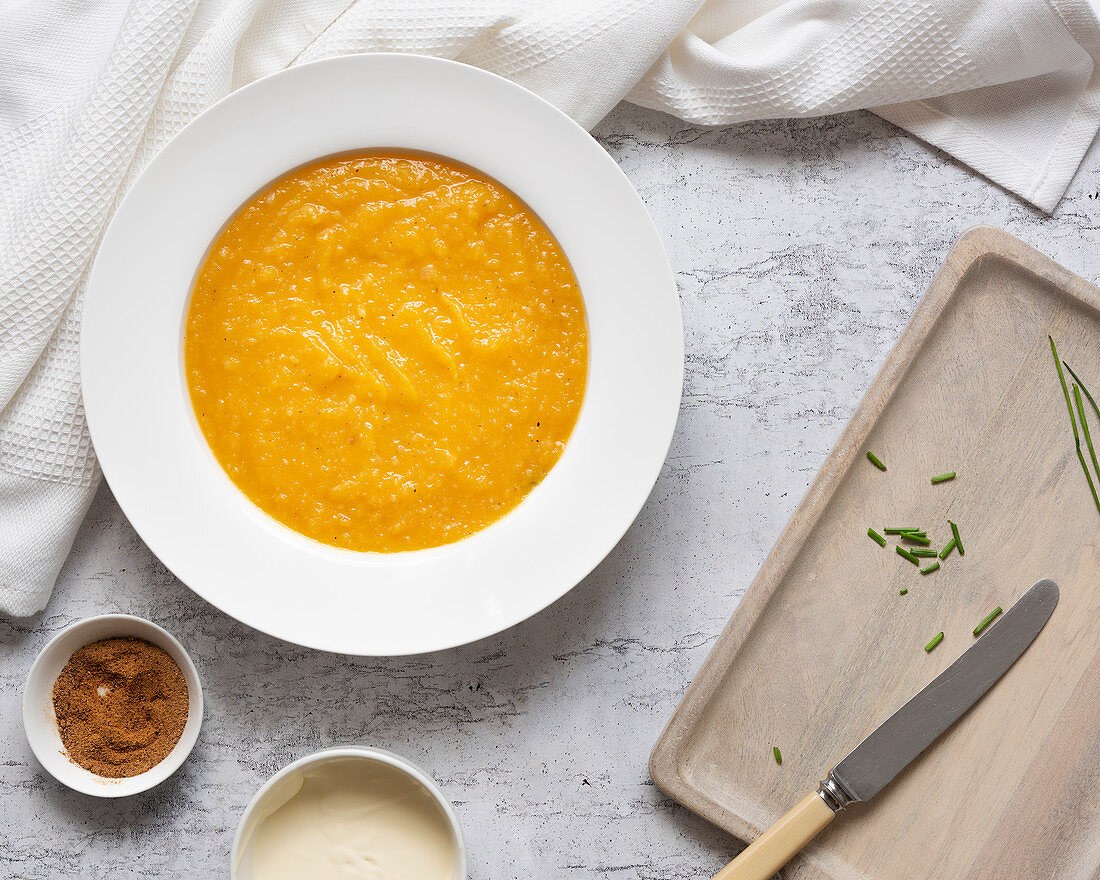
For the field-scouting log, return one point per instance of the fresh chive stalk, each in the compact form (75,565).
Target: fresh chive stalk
(1095,409)
(989,618)
(903,552)
(875,460)
(1073,423)
(931,568)
(876,537)
(946,551)
(1085,428)
(916,539)
(902,592)
(1085,390)
(936,639)
(900,530)
(955,535)
(943,478)
(923,553)
(778,755)
(1081,458)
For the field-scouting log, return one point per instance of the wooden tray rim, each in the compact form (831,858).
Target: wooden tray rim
(973,246)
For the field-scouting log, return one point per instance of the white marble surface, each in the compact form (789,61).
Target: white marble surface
(801,249)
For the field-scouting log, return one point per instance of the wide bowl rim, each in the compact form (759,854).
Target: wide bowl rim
(167,538)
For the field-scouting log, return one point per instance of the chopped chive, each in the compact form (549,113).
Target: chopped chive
(989,618)
(943,478)
(903,552)
(1073,424)
(931,568)
(946,551)
(902,592)
(936,639)
(899,530)
(876,537)
(958,540)
(875,460)
(916,539)
(778,755)
(924,553)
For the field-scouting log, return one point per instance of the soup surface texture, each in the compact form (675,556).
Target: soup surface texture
(386,352)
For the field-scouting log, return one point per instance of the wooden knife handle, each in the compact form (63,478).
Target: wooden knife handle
(776,846)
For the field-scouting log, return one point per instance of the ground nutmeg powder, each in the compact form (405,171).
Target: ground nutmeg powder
(121,705)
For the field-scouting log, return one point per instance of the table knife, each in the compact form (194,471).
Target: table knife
(900,738)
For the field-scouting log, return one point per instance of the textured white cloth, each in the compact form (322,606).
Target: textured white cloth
(89,91)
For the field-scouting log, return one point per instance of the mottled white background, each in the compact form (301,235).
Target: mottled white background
(800,249)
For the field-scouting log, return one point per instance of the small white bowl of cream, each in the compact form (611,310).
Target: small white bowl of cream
(349,812)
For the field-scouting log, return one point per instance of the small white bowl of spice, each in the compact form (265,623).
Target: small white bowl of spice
(349,812)
(112,705)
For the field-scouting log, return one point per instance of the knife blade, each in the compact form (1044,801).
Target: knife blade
(896,742)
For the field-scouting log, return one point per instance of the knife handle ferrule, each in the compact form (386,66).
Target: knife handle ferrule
(834,794)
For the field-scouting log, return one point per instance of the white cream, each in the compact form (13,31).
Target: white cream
(352,819)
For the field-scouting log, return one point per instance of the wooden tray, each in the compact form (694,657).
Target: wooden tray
(823,648)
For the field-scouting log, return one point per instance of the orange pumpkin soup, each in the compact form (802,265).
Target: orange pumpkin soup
(386,352)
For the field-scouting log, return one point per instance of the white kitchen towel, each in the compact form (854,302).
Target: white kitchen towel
(89,91)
